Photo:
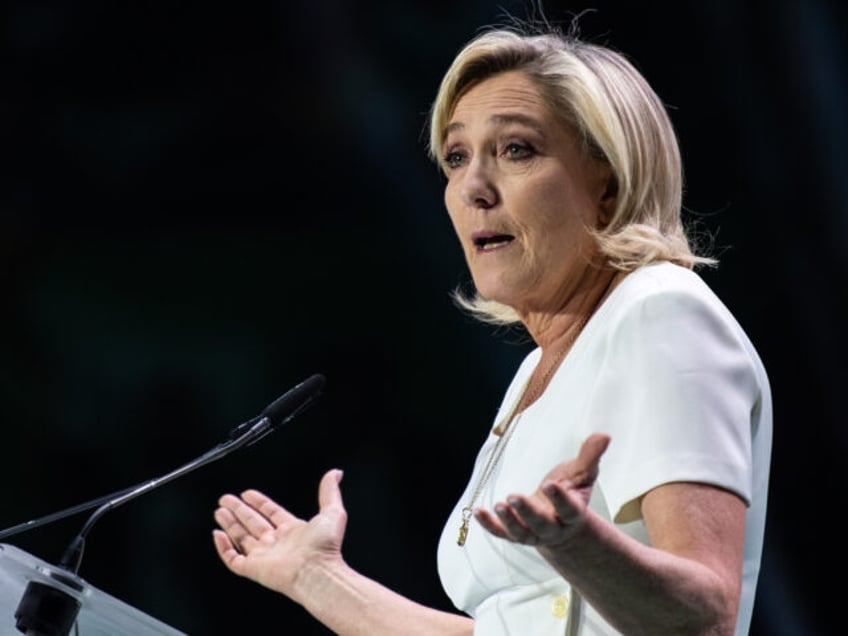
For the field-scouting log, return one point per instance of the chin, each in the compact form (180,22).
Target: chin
(503,284)
(497,296)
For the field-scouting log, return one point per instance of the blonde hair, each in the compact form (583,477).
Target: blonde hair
(601,96)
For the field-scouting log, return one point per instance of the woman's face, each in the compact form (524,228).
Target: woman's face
(521,194)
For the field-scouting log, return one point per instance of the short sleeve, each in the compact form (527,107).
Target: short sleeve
(676,393)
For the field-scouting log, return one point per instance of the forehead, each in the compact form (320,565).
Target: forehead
(510,92)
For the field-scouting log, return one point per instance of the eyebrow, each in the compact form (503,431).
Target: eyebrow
(501,119)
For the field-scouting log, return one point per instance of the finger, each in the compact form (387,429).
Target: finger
(588,461)
(227,551)
(593,447)
(234,529)
(597,441)
(329,492)
(510,516)
(228,501)
(267,507)
(254,522)
(227,521)
(565,506)
(490,523)
(532,519)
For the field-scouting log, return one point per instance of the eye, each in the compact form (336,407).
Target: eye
(453,159)
(517,151)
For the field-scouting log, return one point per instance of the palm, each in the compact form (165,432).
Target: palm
(553,512)
(261,540)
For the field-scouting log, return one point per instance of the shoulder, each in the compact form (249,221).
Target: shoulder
(657,296)
(667,312)
(654,282)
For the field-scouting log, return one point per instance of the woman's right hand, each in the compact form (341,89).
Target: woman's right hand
(260,540)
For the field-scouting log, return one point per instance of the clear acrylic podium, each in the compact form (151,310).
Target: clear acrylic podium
(99,615)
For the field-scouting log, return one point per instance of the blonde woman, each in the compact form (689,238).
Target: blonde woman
(622,487)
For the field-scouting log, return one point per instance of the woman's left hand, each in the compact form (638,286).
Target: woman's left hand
(556,511)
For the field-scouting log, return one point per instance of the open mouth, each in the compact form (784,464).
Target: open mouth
(489,242)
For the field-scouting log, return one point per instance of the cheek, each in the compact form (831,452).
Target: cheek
(453,208)
(564,208)
(556,230)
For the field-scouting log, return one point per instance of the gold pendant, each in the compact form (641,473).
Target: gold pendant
(463,528)
(463,532)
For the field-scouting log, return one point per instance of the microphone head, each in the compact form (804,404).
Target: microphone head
(295,400)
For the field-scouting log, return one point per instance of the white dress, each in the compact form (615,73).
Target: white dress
(668,373)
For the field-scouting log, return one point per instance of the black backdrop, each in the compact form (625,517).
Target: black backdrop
(204,203)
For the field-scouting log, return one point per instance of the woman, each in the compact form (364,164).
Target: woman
(564,187)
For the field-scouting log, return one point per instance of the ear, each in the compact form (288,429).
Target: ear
(608,197)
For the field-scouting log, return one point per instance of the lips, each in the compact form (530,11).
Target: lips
(489,241)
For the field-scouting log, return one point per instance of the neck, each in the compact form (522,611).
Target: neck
(552,328)
(558,333)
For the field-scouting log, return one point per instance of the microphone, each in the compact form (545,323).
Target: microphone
(40,599)
(282,410)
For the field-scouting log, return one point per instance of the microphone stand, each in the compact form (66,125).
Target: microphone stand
(45,610)
(94,503)
(57,516)
(73,554)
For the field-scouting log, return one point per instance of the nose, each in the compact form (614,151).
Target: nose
(478,189)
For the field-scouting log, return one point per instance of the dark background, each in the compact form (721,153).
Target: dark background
(202,204)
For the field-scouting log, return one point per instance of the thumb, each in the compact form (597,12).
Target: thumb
(329,493)
(588,460)
(593,447)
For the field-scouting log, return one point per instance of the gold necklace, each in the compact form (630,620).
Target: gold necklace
(515,415)
(509,427)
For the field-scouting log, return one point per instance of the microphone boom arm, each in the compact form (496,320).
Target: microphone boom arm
(39,599)
(73,554)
